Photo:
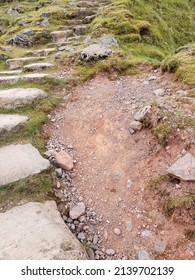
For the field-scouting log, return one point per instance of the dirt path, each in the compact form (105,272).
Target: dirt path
(114,167)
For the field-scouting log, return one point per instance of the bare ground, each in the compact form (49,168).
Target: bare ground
(114,167)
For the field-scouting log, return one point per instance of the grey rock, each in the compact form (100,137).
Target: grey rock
(160,246)
(129,183)
(77,210)
(139,116)
(117,231)
(143,255)
(20,161)
(89,19)
(181,91)
(94,52)
(159,92)
(184,168)
(129,225)
(22,39)
(12,12)
(110,252)
(108,41)
(36,231)
(95,239)
(135,125)
(8,122)
(81,236)
(12,72)
(91,254)
(146,234)
(17,97)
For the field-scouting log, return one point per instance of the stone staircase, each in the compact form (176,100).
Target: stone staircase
(18,161)
(35,62)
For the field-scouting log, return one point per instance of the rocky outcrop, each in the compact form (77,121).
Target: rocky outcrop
(36,231)
(8,122)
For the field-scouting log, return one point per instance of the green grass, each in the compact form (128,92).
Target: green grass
(34,188)
(182,64)
(173,203)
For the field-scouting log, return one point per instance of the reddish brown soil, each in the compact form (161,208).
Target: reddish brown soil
(96,124)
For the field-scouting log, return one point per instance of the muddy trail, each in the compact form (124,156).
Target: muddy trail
(113,169)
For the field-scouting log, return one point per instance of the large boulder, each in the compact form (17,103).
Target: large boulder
(36,231)
(94,52)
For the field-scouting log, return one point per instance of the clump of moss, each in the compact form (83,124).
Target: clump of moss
(162,132)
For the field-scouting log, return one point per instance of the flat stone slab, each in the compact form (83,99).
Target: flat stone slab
(59,36)
(36,231)
(184,168)
(42,52)
(17,97)
(19,161)
(28,77)
(8,122)
(19,62)
(12,72)
(38,66)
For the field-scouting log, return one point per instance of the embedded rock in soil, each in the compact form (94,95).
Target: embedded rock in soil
(184,168)
(139,116)
(143,255)
(94,52)
(63,160)
(77,210)
(135,125)
(36,231)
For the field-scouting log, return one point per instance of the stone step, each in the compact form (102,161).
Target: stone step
(16,63)
(43,52)
(12,72)
(84,12)
(71,40)
(17,97)
(88,19)
(36,231)
(38,66)
(19,161)
(74,21)
(9,122)
(28,77)
(59,36)
(80,29)
(87,4)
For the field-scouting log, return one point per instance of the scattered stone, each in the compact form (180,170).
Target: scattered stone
(146,234)
(184,168)
(117,231)
(159,92)
(135,125)
(91,254)
(8,122)
(41,225)
(129,226)
(129,183)
(17,97)
(63,160)
(38,66)
(77,210)
(94,52)
(152,78)
(19,161)
(143,255)
(159,246)
(110,252)
(95,239)
(139,116)
(81,236)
